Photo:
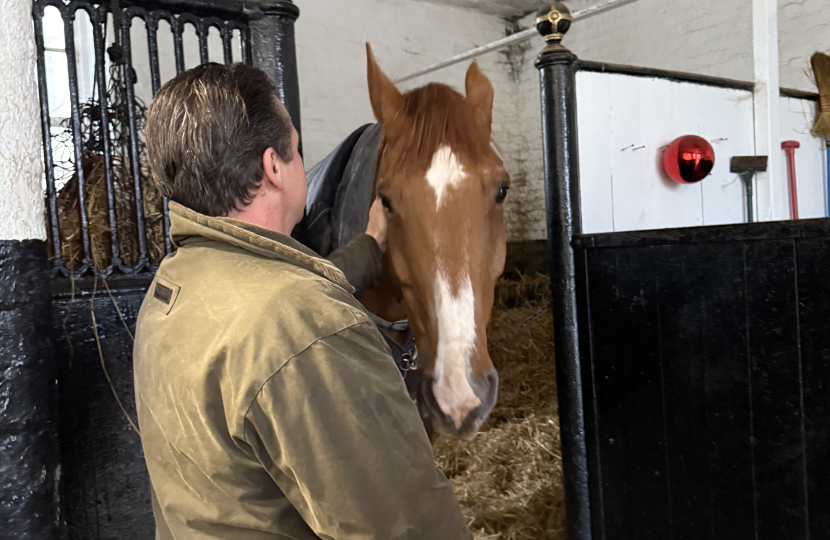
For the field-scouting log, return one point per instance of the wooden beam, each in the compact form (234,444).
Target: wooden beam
(767,106)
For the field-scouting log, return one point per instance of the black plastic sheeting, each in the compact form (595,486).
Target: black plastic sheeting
(29,454)
(105,488)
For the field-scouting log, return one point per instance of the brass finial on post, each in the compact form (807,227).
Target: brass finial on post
(553,21)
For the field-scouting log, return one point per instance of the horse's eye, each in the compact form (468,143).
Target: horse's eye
(502,194)
(386,204)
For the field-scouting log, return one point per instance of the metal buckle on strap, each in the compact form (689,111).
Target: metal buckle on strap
(409,359)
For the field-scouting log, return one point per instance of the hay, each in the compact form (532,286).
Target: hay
(100,239)
(125,212)
(69,217)
(508,478)
(121,113)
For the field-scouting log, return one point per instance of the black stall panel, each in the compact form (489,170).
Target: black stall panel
(105,488)
(706,367)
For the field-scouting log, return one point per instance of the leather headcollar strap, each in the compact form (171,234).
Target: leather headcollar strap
(404,354)
(401,325)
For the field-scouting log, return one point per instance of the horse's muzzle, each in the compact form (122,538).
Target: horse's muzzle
(486,389)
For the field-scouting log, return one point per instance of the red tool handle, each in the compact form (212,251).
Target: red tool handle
(789,147)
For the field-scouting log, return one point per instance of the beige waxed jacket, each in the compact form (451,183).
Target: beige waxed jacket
(268,402)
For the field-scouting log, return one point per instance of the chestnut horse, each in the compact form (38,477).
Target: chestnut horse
(443,187)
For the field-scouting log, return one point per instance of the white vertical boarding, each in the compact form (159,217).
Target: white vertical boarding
(771,191)
(594,114)
(646,117)
(726,122)
(626,122)
(682,204)
(625,164)
(797,117)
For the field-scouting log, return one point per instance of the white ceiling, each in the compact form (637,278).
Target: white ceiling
(509,8)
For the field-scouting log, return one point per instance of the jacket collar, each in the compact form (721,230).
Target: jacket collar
(187,226)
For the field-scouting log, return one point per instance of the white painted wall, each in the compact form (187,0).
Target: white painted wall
(335,99)
(802,27)
(21,169)
(710,37)
(404,35)
(526,203)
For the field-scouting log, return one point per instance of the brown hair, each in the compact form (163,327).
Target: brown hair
(207,130)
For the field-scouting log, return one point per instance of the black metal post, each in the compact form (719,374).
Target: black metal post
(124,20)
(99,37)
(557,67)
(227,37)
(72,70)
(272,41)
(48,158)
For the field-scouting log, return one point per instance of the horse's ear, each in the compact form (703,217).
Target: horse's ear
(480,94)
(386,98)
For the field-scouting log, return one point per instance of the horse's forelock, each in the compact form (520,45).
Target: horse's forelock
(434,115)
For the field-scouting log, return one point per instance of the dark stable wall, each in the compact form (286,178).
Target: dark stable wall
(105,489)
(706,369)
(29,455)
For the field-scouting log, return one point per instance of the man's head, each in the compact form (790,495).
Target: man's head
(221,143)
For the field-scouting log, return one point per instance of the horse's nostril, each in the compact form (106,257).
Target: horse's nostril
(490,387)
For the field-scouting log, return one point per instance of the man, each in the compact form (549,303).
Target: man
(268,403)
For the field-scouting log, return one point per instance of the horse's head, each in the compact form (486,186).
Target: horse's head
(443,186)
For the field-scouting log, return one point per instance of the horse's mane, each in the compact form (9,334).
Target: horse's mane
(436,115)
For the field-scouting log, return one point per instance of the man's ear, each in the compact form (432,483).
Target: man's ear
(272,167)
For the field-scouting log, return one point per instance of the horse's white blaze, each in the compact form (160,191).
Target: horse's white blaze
(456,339)
(444,172)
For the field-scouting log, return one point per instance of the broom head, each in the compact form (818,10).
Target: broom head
(821,69)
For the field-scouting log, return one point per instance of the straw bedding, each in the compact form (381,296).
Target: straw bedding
(508,478)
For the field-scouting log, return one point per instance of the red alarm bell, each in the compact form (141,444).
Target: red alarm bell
(689,159)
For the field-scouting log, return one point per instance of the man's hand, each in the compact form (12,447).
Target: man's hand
(377,224)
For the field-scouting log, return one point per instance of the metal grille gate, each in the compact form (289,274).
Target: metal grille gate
(104,214)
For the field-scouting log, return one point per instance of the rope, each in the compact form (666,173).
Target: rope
(121,315)
(101,352)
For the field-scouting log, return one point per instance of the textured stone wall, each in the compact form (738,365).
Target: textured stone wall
(21,167)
